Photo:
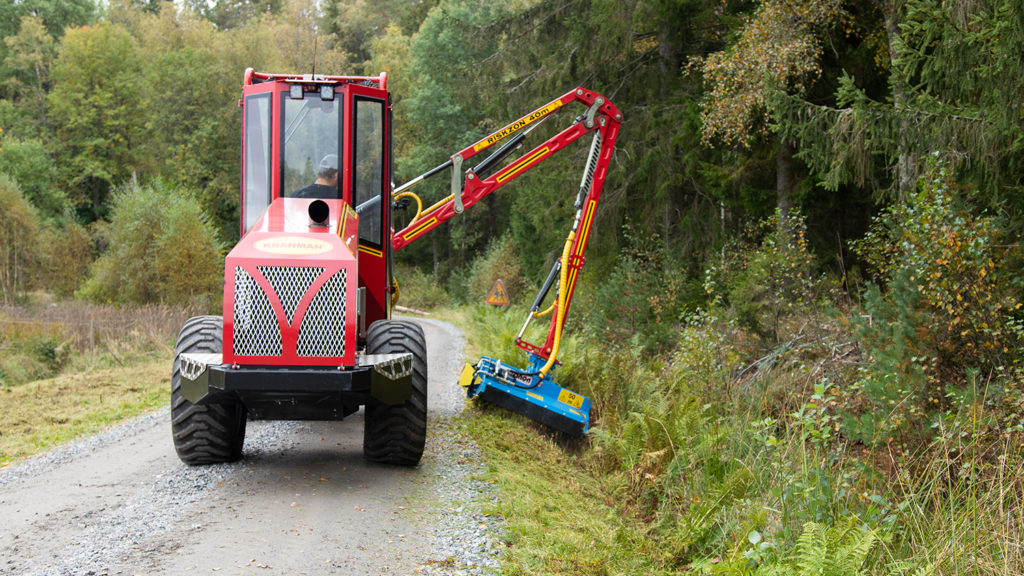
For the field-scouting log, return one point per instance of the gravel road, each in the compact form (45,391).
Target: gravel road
(301,501)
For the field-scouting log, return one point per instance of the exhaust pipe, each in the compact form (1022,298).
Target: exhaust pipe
(319,213)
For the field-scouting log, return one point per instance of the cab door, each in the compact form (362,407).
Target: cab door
(257,153)
(369,172)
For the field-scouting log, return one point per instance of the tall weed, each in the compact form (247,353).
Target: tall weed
(43,339)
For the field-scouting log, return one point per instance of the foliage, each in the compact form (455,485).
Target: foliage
(28,164)
(97,108)
(501,261)
(30,53)
(233,14)
(56,15)
(419,290)
(945,309)
(68,250)
(777,50)
(946,68)
(19,240)
(952,255)
(640,301)
(767,277)
(162,249)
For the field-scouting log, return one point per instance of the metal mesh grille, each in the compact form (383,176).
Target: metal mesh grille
(323,327)
(290,284)
(256,332)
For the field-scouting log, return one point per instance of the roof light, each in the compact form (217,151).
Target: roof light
(327,92)
(295,91)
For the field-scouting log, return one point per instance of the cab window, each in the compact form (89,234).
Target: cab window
(257,157)
(311,137)
(368,169)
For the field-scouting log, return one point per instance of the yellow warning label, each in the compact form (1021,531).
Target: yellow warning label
(498,295)
(535,396)
(571,398)
(517,125)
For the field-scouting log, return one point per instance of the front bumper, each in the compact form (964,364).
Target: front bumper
(298,392)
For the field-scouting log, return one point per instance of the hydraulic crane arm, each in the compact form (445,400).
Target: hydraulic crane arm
(601,119)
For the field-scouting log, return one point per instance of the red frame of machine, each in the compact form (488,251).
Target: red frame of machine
(372,263)
(340,236)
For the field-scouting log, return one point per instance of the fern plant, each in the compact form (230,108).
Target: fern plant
(841,550)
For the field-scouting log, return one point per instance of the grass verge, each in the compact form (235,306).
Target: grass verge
(558,518)
(693,470)
(42,414)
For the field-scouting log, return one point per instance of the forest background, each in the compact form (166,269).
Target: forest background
(800,319)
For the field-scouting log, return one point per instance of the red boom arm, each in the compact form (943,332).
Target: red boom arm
(601,118)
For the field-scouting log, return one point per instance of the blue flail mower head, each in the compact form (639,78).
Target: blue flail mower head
(524,392)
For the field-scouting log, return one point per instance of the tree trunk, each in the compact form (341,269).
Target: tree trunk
(906,164)
(785,181)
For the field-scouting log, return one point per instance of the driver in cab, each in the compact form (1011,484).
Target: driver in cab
(326,184)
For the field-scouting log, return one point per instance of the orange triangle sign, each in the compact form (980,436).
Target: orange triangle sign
(498,295)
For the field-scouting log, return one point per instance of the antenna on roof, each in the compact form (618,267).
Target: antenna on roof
(315,38)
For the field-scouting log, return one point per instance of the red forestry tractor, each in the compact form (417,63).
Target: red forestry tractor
(307,331)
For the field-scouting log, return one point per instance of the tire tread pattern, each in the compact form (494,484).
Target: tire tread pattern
(208,433)
(396,434)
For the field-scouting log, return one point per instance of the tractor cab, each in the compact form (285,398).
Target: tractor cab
(315,137)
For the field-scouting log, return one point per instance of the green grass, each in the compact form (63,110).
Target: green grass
(71,368)
(45,413)
(559,518)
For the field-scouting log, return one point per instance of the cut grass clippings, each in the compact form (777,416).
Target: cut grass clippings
(39,415)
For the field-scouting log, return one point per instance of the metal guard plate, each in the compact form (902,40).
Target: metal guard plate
(193,365)
(390,366)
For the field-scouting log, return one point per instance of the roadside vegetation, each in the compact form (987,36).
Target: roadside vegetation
(69,369)
(783,429)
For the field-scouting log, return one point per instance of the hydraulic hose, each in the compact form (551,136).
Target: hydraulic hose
(546,312)
(419,203)
(563,290)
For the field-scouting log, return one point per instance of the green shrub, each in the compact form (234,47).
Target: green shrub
(943,310)
(418,289)
(767,276)
(642,301)
(948,253)
(500,262)
(162,248)
(68,252)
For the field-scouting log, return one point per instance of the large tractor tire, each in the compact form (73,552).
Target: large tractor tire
(396,433)
(204,433)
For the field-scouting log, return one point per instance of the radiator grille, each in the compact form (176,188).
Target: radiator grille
(256,332)
(290,284)
(323,327)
